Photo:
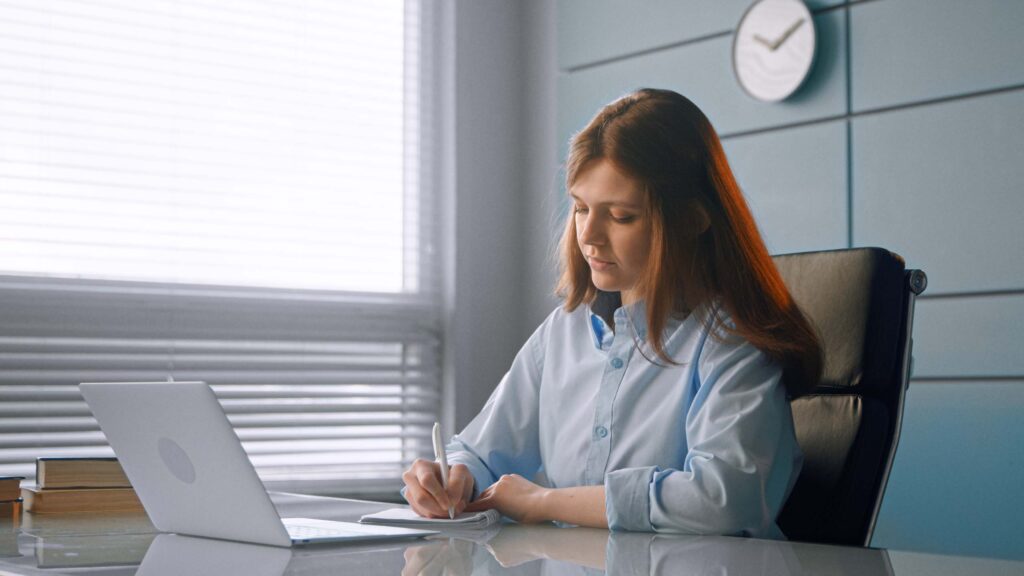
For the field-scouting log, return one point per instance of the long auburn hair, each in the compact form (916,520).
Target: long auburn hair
(705,245)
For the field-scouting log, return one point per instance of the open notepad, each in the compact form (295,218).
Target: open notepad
(406,517)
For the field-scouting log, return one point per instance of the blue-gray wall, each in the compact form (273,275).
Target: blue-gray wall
(908,135)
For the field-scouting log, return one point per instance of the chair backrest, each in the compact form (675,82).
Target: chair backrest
(861,301)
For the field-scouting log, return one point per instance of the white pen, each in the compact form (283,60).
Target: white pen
(442,459)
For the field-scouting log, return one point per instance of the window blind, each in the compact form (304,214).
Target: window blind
(234,192)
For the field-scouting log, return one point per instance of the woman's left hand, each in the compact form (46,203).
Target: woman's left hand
(515,497)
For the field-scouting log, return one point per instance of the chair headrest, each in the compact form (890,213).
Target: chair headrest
(855,299)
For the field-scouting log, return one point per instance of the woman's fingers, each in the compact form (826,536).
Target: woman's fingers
(460,487)
(479,505)
(424,504)
(423,489)
(483,501)
(427,495)
(429,476)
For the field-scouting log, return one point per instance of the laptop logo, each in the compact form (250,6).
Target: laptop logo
(176,460)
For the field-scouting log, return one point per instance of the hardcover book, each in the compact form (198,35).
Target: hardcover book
(47,501)
(10,488)
(80,473)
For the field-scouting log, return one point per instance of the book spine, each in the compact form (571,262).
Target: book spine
(80,473)
(42,501)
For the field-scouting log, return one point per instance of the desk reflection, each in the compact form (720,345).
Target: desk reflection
(551,550)
(514,549)
(174,555)
(633,554)
(116,544)
(177,555)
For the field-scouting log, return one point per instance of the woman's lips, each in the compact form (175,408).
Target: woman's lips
(599,265)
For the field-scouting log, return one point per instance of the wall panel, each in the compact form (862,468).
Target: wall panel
(941,184)
(969,337)
(910,50)
(956,484)
(595,30)
(795,182)
(703,72)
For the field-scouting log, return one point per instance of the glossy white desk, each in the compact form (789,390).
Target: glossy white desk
(128,544)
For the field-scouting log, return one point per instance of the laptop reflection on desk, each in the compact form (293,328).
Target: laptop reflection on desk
(174,555)
(177,555)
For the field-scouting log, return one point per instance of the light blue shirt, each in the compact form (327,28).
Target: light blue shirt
(703,447)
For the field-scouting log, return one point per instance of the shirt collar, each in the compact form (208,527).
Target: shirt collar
(601,333)
(624,317)
(631,319)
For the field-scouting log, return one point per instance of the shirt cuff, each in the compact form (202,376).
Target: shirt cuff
(481,475)
(627,498)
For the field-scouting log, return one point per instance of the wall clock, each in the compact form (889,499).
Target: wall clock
(773,49)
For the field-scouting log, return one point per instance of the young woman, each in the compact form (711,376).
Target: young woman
(655,399)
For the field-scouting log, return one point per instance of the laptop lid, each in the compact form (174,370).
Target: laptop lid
(185,461)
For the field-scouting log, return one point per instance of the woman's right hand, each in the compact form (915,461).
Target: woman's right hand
(425,494)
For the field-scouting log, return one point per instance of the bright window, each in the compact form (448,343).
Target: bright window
(228,191)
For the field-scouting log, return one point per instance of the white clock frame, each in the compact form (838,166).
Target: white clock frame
(773,49)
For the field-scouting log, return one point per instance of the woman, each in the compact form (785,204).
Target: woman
(655,399)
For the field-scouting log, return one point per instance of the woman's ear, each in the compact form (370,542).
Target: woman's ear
(701,219)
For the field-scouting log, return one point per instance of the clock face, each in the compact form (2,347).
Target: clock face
(773,49)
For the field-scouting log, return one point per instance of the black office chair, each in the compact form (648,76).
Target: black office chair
(862,303)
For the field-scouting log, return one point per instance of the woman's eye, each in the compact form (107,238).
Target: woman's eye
(580,209)
(623,219)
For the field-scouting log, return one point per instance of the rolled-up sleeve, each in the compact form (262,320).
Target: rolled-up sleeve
(627,504)
(504,437)
(742,454)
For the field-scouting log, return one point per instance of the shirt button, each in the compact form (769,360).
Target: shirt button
(616,363)
(601,431)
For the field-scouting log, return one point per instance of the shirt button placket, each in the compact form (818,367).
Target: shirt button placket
(597,457)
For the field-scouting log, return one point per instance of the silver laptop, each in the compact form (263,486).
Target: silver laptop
(189,469)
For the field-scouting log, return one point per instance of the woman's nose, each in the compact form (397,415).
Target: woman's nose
(591,233)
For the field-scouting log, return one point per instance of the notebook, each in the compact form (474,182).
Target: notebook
(189,469)
(406,517)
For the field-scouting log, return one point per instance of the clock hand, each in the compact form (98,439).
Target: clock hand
(761,39)
(785,35)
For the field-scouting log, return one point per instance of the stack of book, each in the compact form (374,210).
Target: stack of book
(10,498)
(65,485)
(10,514)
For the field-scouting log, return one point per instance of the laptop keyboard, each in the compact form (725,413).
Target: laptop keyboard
(300,532)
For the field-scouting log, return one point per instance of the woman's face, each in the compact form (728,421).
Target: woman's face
(613,228)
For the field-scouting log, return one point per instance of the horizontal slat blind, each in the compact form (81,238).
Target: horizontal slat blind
(233,192)
(241,143)
(327,395)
